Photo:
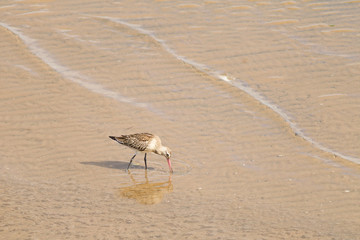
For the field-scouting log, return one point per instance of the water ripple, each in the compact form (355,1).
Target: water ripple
(72,75)
(240,84)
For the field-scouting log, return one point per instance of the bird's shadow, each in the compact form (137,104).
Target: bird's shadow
(115,165)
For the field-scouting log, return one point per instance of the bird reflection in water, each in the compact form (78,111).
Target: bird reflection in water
(146,192)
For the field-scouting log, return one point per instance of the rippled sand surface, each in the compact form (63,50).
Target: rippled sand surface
(258,100)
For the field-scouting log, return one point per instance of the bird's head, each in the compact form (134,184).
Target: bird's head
(165,151)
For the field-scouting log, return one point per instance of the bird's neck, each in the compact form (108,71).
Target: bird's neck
(161,150)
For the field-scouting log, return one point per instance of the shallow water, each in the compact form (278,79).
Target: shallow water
(258,101)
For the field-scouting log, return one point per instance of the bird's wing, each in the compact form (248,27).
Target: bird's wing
(137,141)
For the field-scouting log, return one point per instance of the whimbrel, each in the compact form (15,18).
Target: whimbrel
(146,143)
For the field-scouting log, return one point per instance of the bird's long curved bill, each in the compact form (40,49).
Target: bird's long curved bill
(169,163)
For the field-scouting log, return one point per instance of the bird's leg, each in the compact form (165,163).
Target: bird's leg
(145,161)
(131,161)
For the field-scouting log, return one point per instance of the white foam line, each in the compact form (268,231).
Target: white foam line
(236,83)
(35,12)
(298,132)
(67,73)
(332,95)
(162,43)
(8,6)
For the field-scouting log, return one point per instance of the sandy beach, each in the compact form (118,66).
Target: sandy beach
(258,100)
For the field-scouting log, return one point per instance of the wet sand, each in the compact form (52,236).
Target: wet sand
(258,101)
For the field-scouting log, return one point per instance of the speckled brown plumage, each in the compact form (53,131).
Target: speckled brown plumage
(138,141)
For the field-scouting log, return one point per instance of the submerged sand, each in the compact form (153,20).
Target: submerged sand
(258,101)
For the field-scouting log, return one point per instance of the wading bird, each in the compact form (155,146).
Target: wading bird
(146,143)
